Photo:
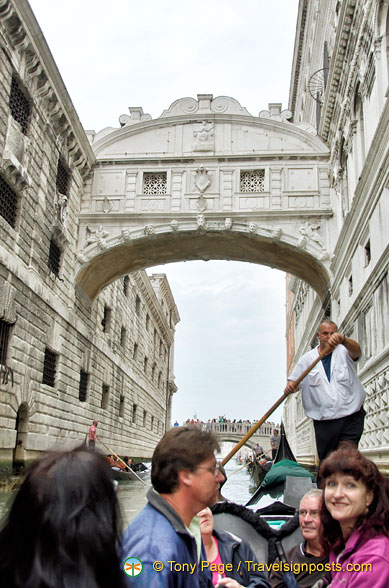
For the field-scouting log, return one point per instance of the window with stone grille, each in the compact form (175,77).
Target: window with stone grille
(252,181)
(19,105)
(4,337)
(144,417)
(134,412)
(155,183)
(105,397)
(83,387)
(8,203)
(62,179)
(152,423)
(49,367)
(54,260)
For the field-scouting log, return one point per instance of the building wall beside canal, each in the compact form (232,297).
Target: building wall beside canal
(66,360)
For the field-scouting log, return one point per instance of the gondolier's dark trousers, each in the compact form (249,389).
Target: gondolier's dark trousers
(330,433)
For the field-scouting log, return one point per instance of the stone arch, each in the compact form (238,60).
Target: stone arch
(21,426)
(245,242)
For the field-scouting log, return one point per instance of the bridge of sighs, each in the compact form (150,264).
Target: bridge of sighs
(206,180)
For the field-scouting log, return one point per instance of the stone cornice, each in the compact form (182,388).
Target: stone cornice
(25,37)
(297,54)
(147,291)
(374,175)
(168,295)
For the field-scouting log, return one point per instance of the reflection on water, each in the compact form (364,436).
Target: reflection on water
(132,493)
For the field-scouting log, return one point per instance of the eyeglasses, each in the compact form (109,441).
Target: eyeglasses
(312,513)
(215,470)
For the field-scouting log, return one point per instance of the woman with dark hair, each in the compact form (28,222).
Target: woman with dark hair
(355,517)
(62,527)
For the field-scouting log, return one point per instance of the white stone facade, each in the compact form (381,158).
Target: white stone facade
(340,83)
(65,359)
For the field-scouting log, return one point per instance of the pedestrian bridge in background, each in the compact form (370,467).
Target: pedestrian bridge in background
(234,432)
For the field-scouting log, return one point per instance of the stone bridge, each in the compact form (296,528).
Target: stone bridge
(206,180)
(234,432)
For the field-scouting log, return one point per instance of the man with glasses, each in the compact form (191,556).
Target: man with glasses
(165,536)
(310,552)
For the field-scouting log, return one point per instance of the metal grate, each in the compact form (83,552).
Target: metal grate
(252,181)
(49,368)
(83,388)
(4,336)
(54,260)
(62,180)
(8,203)
(19,105)
(155,183)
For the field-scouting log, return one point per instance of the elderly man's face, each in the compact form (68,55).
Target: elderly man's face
(310,522)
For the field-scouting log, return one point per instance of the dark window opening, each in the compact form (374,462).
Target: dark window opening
(135,352)
(121,406)
(83,388)
(367,253)
(350,285)
(137,305)
(144,418)
(4,337)
(19,105)
(134,410)
(123,336)
(49,368)
(126,281)
(105,323)
(54,260)
(105,397)
(62,179)
(8,203)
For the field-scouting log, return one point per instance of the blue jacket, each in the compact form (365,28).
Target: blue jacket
(158,534)
(237,551)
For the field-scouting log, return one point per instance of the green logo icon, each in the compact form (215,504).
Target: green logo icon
(132,566)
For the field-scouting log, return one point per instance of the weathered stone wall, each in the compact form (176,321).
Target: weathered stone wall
(354,122)
(40,308)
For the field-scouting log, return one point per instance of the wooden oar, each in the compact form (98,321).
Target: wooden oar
(248,463)
(123,462)
(251,432)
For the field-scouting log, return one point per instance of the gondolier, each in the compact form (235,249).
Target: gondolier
(92,435)
(332,394)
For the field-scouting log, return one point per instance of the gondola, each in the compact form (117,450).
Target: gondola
(278,496)
(138,471)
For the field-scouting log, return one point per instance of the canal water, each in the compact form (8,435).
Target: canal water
(132,494)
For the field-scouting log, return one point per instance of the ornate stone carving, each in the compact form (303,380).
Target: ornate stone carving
(228,223)
(276,233)
(126,235)
(252,227)
(202,180)
(310,231)
(205,104)
(204,137)
(275,113)
(149,230)
(174,225)
(200,220)
(99,237)
(106,205)
(136,115)
(61,207)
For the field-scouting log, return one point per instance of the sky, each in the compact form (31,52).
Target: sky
(230,349)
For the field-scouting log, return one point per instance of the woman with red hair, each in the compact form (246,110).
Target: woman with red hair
(355,517)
